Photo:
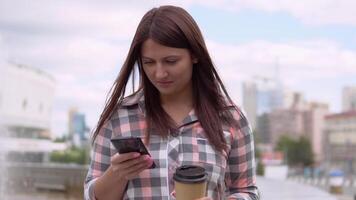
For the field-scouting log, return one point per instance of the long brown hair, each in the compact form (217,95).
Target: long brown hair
(174,27)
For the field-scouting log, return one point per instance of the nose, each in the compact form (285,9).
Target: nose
(161,72)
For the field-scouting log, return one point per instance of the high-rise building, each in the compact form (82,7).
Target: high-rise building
(281,122)
(260,96)
(296,121)
(249,90)
(71,112)
(349,98)
(314,122)
(269,95)
(340,141)
(77,126)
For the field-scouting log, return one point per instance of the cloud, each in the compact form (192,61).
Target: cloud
(297,61)
(82,82)
(83,44)
(112,19)
(316,12)
(301,64)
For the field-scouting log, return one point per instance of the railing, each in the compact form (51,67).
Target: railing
(68,178)
(348,184)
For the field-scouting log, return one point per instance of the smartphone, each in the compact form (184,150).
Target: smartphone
(131,144)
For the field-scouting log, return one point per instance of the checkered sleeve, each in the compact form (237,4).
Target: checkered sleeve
(100,160)
(240,176)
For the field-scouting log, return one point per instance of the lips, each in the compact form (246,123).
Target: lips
(164,83)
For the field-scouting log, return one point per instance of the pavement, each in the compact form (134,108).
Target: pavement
(272,189)
(344,197)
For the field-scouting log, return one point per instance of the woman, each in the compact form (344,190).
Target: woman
(181,110)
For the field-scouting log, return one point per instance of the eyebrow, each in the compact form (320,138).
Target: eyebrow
(170,56)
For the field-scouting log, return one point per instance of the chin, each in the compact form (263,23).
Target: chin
(166,91)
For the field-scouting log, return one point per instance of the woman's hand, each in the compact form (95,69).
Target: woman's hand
(129,165)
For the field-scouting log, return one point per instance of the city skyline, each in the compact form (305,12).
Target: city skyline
(83,45)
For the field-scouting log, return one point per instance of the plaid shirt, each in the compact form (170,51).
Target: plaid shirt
(230,174)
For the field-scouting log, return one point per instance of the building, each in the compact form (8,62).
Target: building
(340,141)
(301,119)
(349,98)
(78,130)
(285,120)
(260,96)
(249,90)
(314,123)
(80,127)
(26,101)
(263,130)
(281,122)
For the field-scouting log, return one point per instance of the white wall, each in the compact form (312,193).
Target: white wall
(25,84)
(278,172)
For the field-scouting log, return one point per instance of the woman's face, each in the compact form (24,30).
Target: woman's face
(169,69)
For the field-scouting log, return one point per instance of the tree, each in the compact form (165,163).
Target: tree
(305,152)
(297,152)
(286,145)
(260,166)
(62,139)
(73,155)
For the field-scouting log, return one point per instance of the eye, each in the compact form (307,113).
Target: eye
(171,61)
(147,62)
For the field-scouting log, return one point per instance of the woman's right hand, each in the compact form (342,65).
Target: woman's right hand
(123,168)
(128,165)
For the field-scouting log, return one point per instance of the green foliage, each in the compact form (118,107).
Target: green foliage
(297,152)
(73,155)
(305,153)
(257,153)
(284,143)
(256,137)
(61,139)
(260,168)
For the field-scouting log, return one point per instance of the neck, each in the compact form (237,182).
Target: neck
(184,98)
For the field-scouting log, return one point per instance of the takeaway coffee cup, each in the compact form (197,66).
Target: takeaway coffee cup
(190,182)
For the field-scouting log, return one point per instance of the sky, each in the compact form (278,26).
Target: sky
(82,44)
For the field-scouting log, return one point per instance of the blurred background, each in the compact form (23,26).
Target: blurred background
(290,65)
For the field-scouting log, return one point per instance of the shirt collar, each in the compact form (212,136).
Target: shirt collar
(133,99)
(191,118)
(138,98)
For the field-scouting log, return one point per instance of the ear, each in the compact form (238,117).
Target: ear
(194,60)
